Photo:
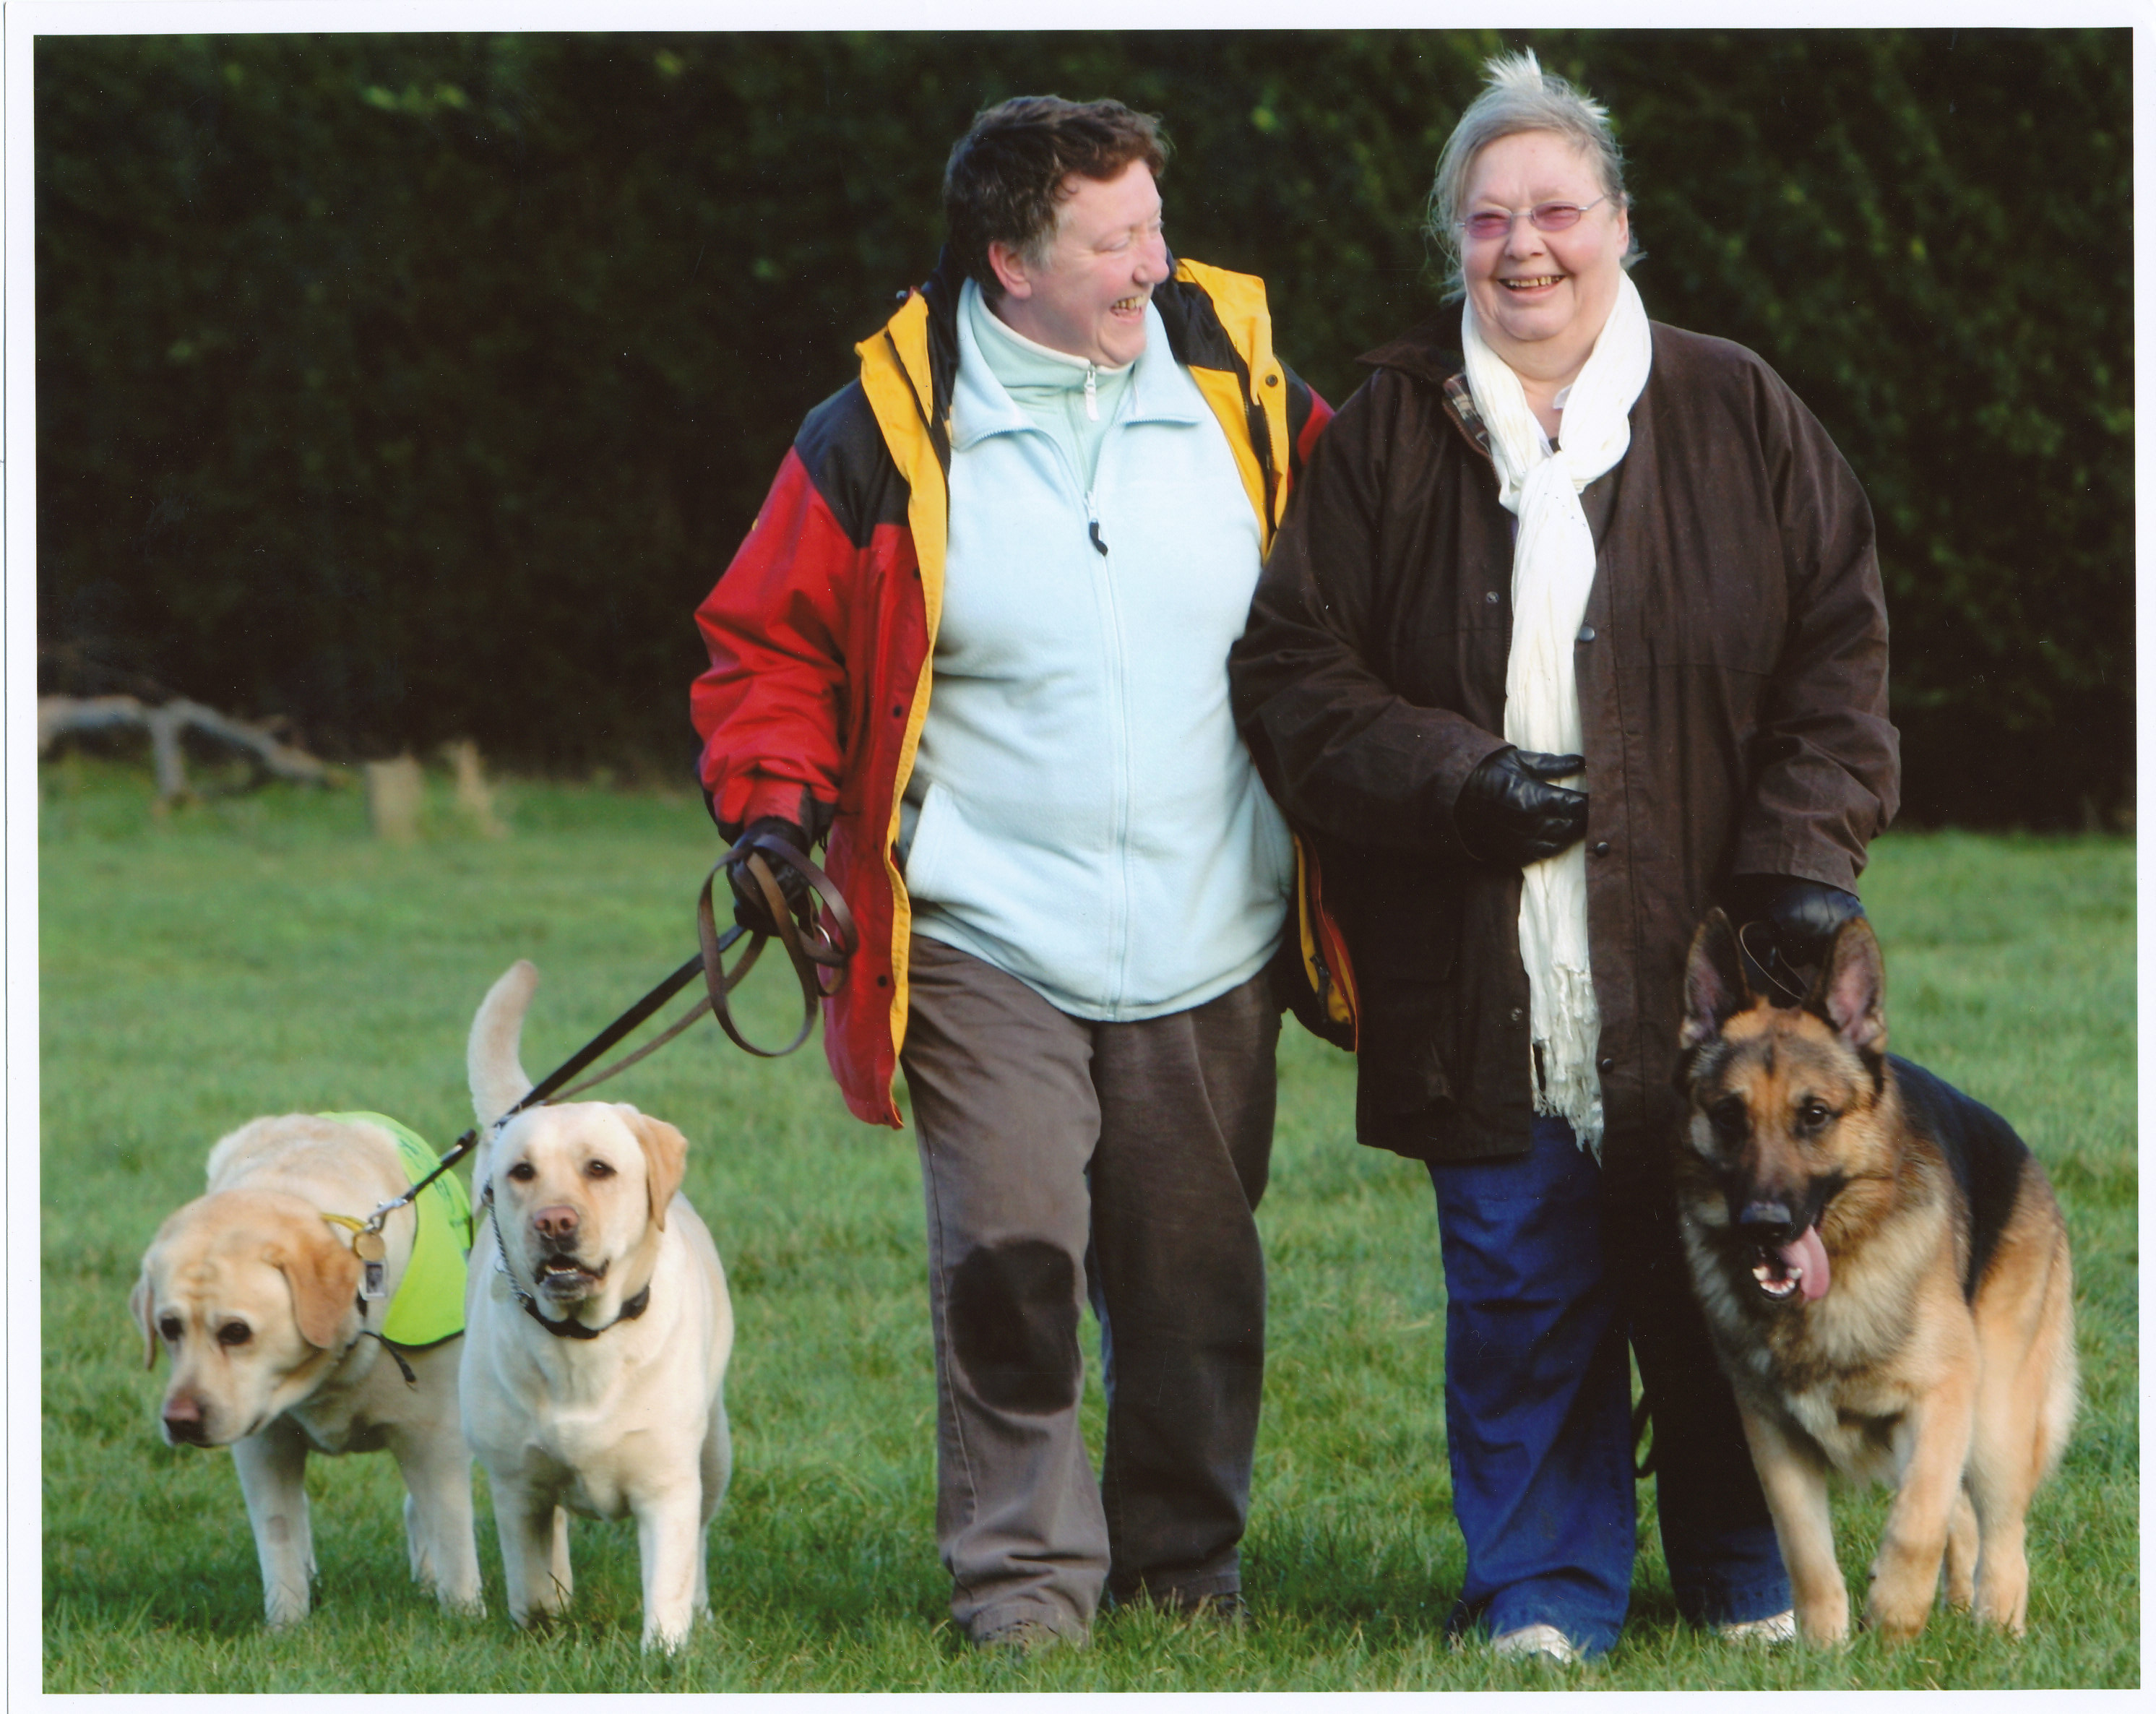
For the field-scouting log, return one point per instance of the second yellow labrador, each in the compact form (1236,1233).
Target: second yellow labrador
(254,1290)
(598,1332)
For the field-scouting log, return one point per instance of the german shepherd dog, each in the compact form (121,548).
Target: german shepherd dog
(1884,1273)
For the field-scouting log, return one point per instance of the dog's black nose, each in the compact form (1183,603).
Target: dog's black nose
(1763,1220)
(557,1224)
(183,1422)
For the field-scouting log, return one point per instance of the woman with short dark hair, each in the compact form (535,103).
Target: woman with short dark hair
(1574,629)
(978,637)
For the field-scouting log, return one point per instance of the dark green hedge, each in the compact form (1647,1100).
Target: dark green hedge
(415,387)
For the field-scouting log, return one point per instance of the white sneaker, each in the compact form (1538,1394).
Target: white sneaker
(1545,1645)
(1768,1633)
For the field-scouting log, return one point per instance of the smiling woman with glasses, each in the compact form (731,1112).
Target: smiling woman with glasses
(1573,630)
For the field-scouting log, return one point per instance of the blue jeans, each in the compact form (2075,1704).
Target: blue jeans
(1537,1407)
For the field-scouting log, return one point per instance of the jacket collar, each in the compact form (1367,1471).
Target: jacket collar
(1218,332)
(940,294)
(1430,353)
(1159,390)
(1194,335)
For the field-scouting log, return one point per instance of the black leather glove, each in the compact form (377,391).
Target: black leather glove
(1505,811)
(749,908)
(1806,914)
(1803,913)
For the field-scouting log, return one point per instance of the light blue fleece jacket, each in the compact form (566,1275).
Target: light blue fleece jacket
(1081,814)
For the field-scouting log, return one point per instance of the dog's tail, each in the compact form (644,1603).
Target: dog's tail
(491,1064)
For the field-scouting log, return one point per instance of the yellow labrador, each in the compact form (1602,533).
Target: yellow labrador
(598,1332)
(254,1289)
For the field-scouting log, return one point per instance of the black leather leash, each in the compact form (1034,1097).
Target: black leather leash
(819,945)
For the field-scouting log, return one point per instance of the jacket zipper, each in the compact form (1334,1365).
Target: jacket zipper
(1093,525)
(1116,973)
(1118,687)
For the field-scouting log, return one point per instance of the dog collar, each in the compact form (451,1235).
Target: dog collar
(568,1327)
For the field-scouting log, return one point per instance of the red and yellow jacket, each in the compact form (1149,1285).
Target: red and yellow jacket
(822,631)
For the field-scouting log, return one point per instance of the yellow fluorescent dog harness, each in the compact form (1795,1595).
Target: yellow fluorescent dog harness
(429,1305)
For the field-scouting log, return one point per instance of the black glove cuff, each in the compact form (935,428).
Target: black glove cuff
(750,908)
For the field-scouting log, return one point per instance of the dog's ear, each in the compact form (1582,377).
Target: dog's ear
(1715,988)
(324,1277)
(140,1304)
(1851,993)
(665,1159)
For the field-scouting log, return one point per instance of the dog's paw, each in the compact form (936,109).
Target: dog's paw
(285,1602)
(1896,1613)
(2002,1596)
(540,1613)
(1905,1581)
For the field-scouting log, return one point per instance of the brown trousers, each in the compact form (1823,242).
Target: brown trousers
(1065,1160)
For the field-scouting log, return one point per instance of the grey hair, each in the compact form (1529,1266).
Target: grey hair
(1521,96)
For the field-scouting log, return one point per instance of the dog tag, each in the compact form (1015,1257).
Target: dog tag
(372,1254)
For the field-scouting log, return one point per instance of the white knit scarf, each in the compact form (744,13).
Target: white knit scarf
(1552,569)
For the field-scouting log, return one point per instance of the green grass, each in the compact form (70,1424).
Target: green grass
(258,954)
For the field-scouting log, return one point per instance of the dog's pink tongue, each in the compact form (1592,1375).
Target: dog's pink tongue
(1807,1259)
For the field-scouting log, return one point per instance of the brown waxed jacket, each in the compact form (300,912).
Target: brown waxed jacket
(1732,690)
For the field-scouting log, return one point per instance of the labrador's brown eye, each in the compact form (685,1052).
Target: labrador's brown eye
(523,1172)
(171,1329)
(234,1333)
(598,1169)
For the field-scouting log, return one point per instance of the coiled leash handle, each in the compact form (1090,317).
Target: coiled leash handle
(818,943)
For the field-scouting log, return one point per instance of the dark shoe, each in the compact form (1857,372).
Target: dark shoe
(1225,1608)
(1025,1639)
(1229,1611)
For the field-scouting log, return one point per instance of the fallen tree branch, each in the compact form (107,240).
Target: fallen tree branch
(58,716)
